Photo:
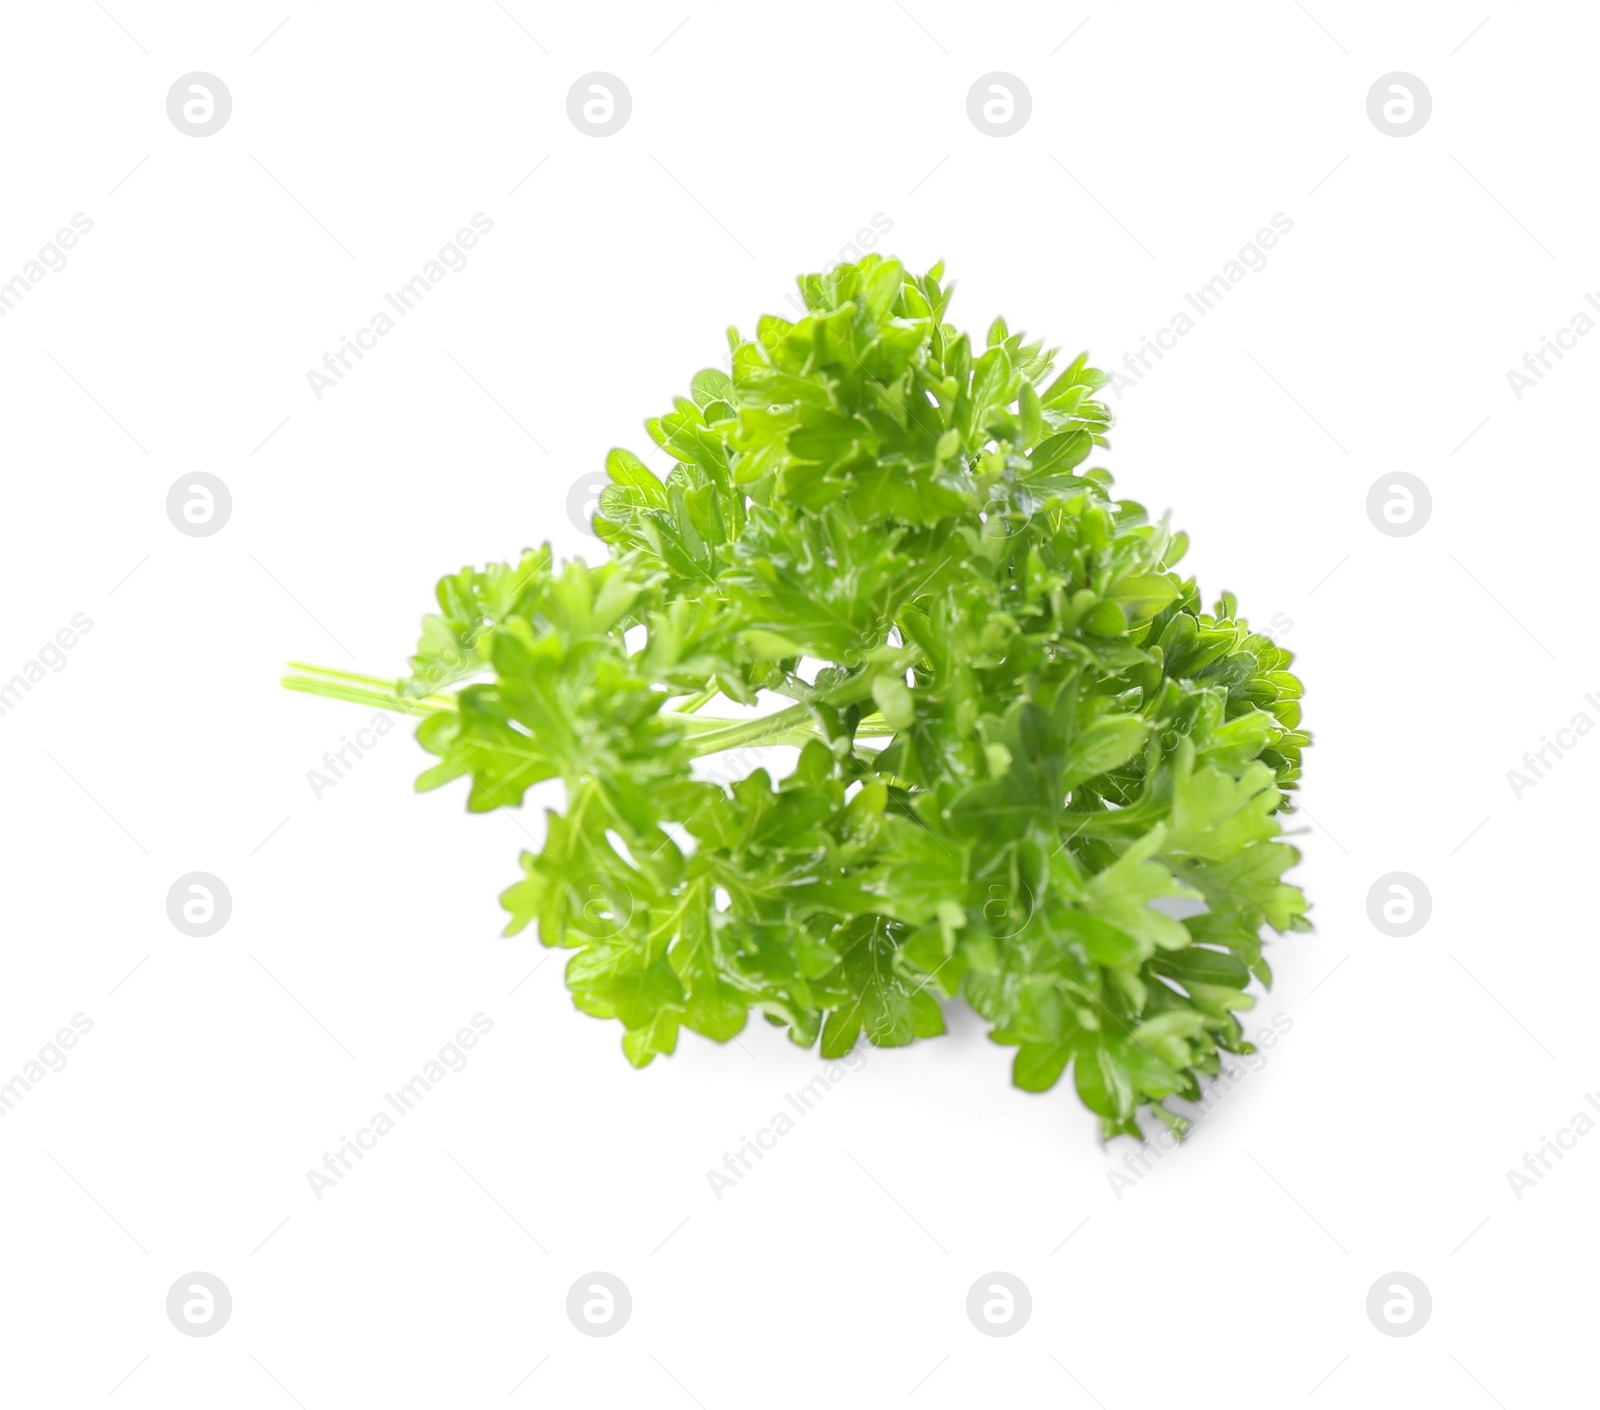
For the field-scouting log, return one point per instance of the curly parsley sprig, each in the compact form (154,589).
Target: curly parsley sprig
(1033,771)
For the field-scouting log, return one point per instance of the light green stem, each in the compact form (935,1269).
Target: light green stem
(793,726)
(336,690)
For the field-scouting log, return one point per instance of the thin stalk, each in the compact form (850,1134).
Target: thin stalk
(334,673)
(694,702)
(764,729)
(792,726)
(363,689)
(384,699)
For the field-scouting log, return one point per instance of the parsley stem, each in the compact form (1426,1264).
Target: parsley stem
(792,726)
(765,729)
(384,700)
(360,689)
(692,703)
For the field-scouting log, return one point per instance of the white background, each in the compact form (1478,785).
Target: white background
(177,339)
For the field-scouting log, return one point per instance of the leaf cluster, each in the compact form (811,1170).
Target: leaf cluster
(1034,771)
